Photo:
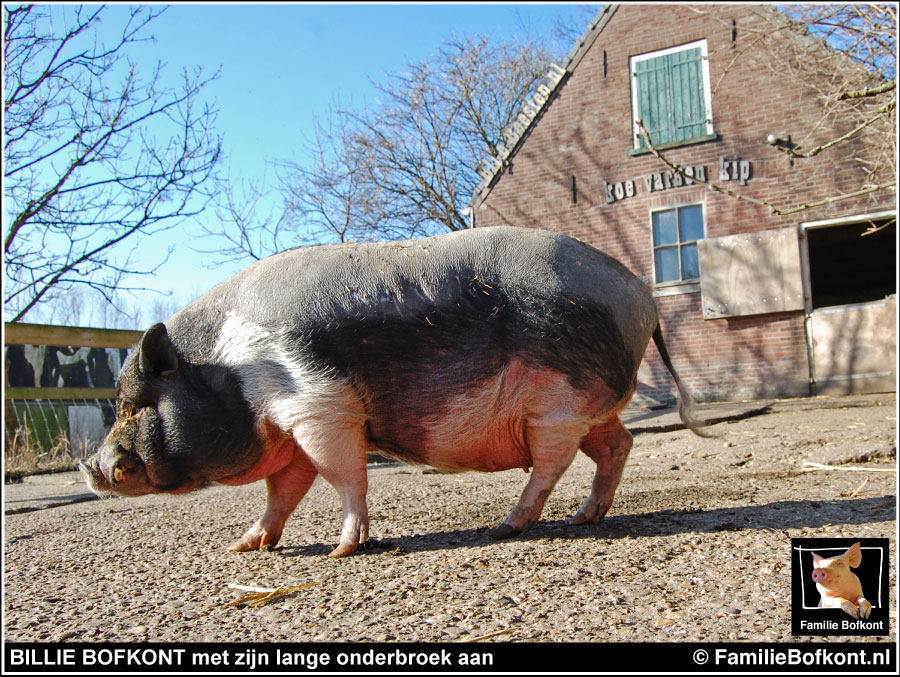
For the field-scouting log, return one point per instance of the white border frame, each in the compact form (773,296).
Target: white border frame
(800,550)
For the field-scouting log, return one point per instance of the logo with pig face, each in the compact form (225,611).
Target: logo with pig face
(838,586)
(829,577)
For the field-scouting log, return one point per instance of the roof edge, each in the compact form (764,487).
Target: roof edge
(590,34)
(492,168)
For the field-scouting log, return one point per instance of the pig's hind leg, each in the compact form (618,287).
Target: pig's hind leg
(286,488)
(552,446)
(608,445)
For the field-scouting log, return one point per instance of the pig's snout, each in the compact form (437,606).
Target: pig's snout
(114,470)
(93,475)
(820,576)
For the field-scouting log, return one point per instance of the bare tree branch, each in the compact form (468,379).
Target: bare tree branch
(844,57)
(869,91)
(406,166)
(777,211)
(879,113)
(95,156)
(240,222)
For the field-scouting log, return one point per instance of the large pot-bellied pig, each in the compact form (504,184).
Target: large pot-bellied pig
(486,349)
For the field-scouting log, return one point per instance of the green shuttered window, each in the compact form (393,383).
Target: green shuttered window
(670,91)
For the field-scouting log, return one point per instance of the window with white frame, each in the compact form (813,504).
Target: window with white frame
(670,94)
(675,235)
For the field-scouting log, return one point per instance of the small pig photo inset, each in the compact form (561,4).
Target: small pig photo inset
(839,586)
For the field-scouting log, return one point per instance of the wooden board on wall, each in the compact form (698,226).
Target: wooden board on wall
(751,274)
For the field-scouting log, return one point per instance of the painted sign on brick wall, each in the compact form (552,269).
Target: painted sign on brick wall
(729,170)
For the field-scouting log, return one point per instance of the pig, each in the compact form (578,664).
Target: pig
(838,586)
(486,349)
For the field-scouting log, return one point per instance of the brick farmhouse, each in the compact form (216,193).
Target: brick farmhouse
(752,303)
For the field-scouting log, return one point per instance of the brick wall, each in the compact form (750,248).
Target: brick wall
(728,359)
(585,133)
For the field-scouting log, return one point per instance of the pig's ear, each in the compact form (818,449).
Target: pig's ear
(157,354)
(853,555)
(817,559)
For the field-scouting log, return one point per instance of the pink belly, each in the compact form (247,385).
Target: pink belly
(485,428)
(451,447)
(481,454)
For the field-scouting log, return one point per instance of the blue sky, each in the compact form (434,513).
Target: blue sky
(282,64)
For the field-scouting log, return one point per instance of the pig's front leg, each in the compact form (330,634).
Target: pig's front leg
(337,449)
(859,608)
(864,607)
(286,488)
(848,606)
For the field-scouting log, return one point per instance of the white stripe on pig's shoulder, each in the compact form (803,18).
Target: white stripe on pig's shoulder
(277,383)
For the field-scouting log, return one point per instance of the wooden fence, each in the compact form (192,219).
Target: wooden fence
(35,403)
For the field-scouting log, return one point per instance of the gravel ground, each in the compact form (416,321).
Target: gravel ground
(695,548)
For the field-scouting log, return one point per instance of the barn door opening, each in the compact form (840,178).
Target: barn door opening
(851,299)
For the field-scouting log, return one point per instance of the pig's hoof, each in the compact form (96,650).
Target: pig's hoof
(590,513)
(581,518)
(344,549)
(244,545)
(254,540)
(503,531)
(586,517)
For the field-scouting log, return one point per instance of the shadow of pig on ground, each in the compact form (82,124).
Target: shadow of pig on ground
(778,515)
